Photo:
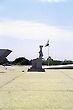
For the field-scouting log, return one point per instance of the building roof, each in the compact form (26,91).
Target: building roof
(4,53)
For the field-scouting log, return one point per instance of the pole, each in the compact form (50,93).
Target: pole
(48,55)
(47,45)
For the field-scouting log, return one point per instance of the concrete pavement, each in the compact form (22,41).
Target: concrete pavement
(50,90)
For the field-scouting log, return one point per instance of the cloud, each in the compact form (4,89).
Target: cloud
(61,38)
(53,1)
(33,30)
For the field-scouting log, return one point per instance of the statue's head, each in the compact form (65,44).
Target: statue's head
(41,46)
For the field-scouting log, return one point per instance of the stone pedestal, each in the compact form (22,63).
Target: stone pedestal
(36,66)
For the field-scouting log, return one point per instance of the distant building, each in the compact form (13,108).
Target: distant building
(4,53)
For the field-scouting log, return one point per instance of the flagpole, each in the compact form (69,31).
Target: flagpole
(47,45)
(48,55)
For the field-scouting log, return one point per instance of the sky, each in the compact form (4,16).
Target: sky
(26,24)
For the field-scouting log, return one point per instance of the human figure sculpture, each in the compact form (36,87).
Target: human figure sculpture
(40,52)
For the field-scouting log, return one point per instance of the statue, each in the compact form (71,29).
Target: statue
(37,63)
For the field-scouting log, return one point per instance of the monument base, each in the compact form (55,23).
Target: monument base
(36,70)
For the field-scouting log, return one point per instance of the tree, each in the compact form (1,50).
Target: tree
(21,61)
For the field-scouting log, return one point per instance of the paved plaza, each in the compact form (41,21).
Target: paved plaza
(22,90)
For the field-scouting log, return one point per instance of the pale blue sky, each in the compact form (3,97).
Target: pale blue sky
(24,24)
(35,10)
